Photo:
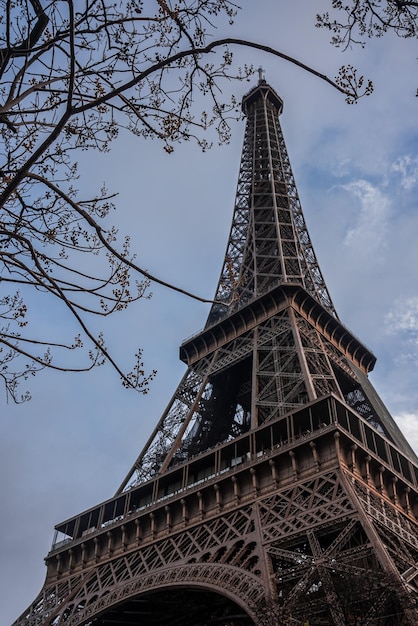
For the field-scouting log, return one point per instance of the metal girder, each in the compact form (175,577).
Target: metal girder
(276,487)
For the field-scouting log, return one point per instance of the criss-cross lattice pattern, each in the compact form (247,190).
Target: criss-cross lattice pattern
(319,549)
(276,487)
(304,506)
(227,541)
(269,242)
(264,351)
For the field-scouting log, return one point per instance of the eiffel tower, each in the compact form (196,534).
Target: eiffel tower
(276,487)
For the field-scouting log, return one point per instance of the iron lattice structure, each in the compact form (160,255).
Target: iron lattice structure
(276,488)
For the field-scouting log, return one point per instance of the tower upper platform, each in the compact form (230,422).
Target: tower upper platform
(264,92)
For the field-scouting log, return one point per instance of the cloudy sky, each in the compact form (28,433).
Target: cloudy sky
(356,168)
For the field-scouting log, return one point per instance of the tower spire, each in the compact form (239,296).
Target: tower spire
(269,243)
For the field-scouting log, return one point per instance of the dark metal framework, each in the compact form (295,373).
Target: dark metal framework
(276,488)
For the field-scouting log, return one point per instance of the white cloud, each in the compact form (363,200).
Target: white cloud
(407,167)
(403,318)
(368,232)
(402,321)
(341,166)
(408,423)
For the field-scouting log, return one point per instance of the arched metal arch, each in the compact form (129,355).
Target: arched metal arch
(244,589)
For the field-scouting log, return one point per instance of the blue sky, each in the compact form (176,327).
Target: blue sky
(356,168)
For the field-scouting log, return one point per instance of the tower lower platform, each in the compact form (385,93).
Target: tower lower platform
(310,519)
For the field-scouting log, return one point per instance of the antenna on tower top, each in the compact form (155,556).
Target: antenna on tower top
(261,76)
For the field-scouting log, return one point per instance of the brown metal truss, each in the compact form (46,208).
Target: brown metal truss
(312,525)
(276,488)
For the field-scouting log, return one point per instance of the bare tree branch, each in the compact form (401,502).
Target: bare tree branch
(367,18)
(73,75)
